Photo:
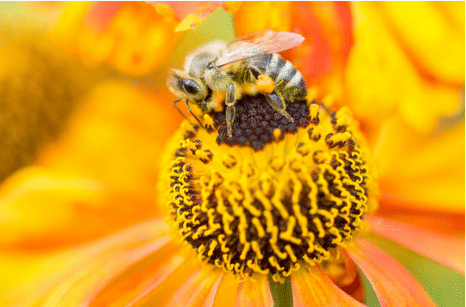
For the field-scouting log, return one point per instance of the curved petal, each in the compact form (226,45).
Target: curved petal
(72,276)
(44,209)
(433,33)
(427,243)
(254,293)
(314,288)
(392,283)
(381,80)
(425,219)
(227,291)
(344,274)
(429,171)
(116,137)
(198,290)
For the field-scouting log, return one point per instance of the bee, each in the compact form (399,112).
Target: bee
(218,74)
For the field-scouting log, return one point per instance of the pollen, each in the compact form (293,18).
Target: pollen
(288,205)
(265,84)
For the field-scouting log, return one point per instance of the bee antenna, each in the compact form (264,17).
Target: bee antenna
(187,105)
(179,111)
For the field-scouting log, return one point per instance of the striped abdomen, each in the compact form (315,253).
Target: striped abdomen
(280,69)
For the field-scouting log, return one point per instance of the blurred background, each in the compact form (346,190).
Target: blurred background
(85,114)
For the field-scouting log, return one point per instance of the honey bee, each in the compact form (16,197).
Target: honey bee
(218,74)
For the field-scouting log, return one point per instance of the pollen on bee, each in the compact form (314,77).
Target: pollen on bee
(208,120)
(217,101)
(265,84)
(277,133)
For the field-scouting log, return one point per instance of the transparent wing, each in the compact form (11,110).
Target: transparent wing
(259,43)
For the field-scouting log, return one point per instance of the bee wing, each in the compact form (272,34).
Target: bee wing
(258,43)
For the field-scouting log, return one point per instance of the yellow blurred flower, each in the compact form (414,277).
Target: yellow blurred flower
(64,239)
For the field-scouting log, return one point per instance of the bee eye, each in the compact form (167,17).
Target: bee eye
(189,86)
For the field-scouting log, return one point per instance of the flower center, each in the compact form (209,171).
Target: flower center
(274,197)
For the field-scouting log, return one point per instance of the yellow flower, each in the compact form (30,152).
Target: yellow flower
(65,243)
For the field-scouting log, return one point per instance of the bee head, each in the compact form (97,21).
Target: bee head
(186,86)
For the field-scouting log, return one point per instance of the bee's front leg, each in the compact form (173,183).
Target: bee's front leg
(230,111)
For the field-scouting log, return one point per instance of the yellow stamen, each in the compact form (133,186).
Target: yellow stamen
(272,210)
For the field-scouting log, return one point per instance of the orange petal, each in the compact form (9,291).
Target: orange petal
(73,276)
(100,14)
(198,290)
(254,293)
(314,288)
(381,80)
(428,243)
(161,293)
(430,220)
(326,27)
(134,38)
(227,291)
(343,272)
(43,208)
(392,283)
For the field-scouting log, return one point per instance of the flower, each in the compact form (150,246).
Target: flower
(108,159)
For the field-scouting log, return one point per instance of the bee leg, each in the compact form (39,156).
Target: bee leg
(230,111)
(276,101)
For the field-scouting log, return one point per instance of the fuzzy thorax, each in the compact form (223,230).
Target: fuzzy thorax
(275,208)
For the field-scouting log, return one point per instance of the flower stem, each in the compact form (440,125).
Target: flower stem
(281,293)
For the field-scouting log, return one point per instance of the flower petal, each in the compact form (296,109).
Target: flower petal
(117,138)
(100,14)
(325,25)
(44,208)
(381,79)
(198,290)
(254,293)
(428,243)
(73,276)
(227,292)
(344,274)
(429,172)
(134,38)
(392,283)
(314,288)
(430,220)
(432,34)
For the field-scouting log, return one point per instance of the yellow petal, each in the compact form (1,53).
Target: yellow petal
(381,79)
(430,36)
(42,208)
(117,138)
(422,172)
